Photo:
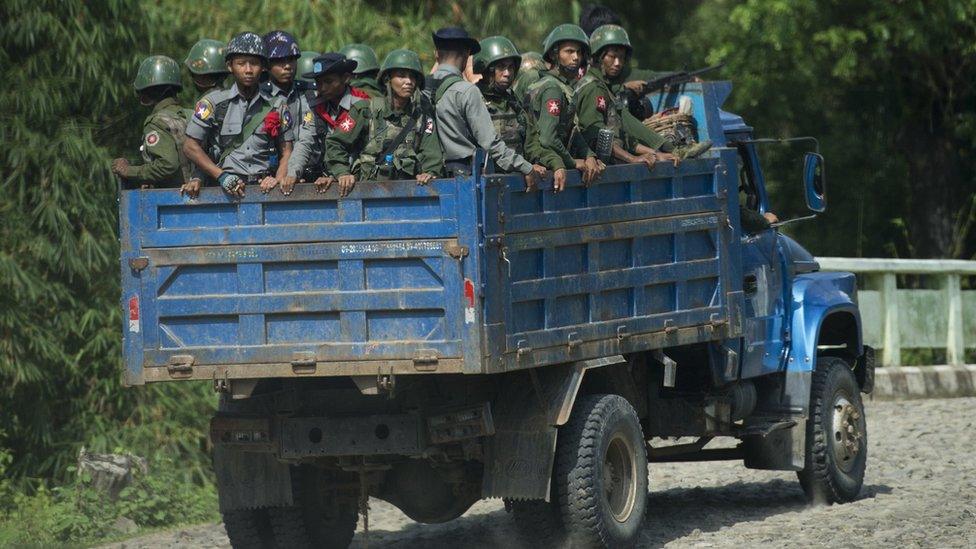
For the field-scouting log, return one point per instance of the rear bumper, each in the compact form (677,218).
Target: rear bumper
(321,369)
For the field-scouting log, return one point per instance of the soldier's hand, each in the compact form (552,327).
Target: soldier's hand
(771,217)
(268,183)
(424,178)
(323,183)
(346,183)
(559,180)
(635,86)
(231,184)
(191,188)
(592,169)
(668,157)
(120,167)
(648,160)
(531,181)
(288,184)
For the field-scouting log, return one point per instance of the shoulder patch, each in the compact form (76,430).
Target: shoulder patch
(554,106)
(307,119)
(601,103)
(203,110)
(346,123)
(152,138)
(430,126)
(286,119)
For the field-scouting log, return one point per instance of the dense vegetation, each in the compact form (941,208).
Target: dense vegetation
(887,87)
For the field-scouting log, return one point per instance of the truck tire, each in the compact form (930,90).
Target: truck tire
(317,519)
(836,438)
(600,476)
(248,528)
(537,522)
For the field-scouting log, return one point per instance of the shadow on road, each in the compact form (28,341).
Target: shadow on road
(671,515)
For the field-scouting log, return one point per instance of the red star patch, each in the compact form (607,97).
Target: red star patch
(347,124)
(553,107)
(151,139)
(601,103)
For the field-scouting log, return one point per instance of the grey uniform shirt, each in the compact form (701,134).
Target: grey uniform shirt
(464,124)
(255,154)
(297,104)
(310,145)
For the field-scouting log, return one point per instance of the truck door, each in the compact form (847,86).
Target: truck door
(762,268)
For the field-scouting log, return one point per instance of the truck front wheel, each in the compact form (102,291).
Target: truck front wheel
(600,475)
(836,438)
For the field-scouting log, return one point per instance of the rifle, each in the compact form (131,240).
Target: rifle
(633,100)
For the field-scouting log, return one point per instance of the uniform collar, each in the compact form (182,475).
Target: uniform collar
(167,102)
(235,92)
(556,72)
(273,89)
(345,102)
(446,69)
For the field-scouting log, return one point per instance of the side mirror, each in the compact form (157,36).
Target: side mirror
(815,181)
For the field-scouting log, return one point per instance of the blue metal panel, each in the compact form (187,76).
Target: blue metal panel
(258,280)
(815,297)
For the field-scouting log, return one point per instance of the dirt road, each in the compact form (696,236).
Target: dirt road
(920,490)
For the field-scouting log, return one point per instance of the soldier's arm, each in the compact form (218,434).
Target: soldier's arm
(551,99)
(305,149)
(341,144)
(485,135)
(431,153)
(164,158)
(533,149)
(641,133)
(197,131)
(591,119)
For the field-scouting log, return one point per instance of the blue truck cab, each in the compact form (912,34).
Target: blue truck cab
(435,345)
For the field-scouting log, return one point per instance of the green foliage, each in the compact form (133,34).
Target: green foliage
(77,514)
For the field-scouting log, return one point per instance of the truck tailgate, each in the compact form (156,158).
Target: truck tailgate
(274,286)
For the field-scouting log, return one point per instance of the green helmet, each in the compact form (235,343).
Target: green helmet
(305,65)
(609,35)
(533,60)
(402,59)
(157,70)
(495,48)
(363,55)
(206,57)
(563,33)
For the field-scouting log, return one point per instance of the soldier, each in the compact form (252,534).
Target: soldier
(206,65)
(498,62)
(390,137)
(163,132)
(529,73)
(627,139)
(250,126)
(283,55)
(464,123)
(332,74)
(551,100)
(367,65)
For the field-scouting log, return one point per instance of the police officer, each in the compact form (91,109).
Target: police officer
(388,137)
(252,128)
(626,139)
(551,100)
(529,73)
(206,65)
(163,132)
(464,123)
(330,107)
(498,63)
(367,65)
(283,56)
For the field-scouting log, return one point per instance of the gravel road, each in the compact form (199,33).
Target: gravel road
(920,490)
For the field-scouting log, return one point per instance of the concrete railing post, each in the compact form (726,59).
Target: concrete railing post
(891,348)
(955,342)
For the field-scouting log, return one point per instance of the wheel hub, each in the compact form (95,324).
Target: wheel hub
(847,433)
(620,478)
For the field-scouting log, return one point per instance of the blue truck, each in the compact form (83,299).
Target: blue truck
(435,345)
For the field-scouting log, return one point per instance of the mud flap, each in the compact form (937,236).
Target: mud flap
(250,480)
(781,450)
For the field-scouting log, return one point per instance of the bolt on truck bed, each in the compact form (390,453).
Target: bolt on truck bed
(467,275)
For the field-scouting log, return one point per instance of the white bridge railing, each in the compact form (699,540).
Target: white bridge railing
(939,316)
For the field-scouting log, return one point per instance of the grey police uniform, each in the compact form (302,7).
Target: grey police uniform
(297,104)
(224,113)
(464,124)
(310,142)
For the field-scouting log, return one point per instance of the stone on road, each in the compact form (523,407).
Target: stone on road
(920,490)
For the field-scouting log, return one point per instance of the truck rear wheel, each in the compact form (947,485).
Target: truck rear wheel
(248,528)
(537,522)
(318,519)
(837,437)
(601,473)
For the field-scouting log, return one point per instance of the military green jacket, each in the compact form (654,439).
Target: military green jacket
(516,126)
(597,108)
(524,79)
(163,134)
(357,144)
(551,100)
(368,84)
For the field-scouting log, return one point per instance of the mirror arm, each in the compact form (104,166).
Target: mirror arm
(779,224)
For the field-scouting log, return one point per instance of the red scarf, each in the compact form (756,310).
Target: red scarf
(323,112)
